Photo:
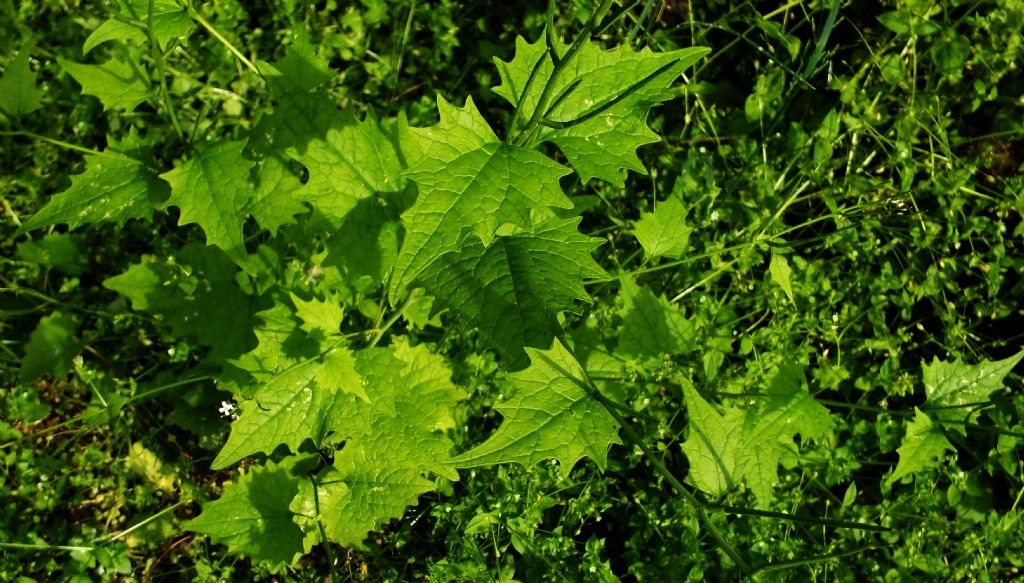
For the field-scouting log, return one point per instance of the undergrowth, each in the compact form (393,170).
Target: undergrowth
(388,291)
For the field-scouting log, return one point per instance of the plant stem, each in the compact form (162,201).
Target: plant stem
(67,145)
(413,296)
(10,212)
(559,66)
(697,505)
(134,527)
(46,547)
(811,560)
(194,15)
(158,390)
(323,533)
(158,57)
(795,518)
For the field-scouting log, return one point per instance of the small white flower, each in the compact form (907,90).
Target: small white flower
(713,217)
(227,409)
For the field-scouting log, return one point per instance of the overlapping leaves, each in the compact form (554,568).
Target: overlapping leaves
(730,445)
(479,221)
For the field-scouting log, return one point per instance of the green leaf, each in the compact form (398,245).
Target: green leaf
(51,348)
(392,443)
(950,54)
(18,93)
(664,232)
(116,83)
(714,442)
(768,431)
(951,384)
(278,195)
(897,21)
(114,30)
(113,188)
(252,517)
(287,409)
(923,444)
(339,370)
(954,386)
(724,448)
(323,316)
(348,159)
(651,326)
(362,490)
(211,190)
(170,22)
(280,344)
(469,184)
(550,415)
(631,82)
(300,68)
(60,251)
(194,292)
(781,274)
(306,401)
(514,289)
(366,245)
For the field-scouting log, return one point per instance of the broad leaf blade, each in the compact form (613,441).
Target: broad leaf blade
(652,327)
(51,347)
(922,446)
(195,295)
(116,83)
(781,274)
(514,289)
(469,183)
(211,190)
(348,159)
(950,384)
(392,443)
(113,188)
(18,92)
(362,490)
(713,444)
(551,415)
(288,409)
(664,232)
(252,517)
(606,143)
(790,410)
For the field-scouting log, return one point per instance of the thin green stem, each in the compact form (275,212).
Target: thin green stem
(129,530)
(638,26)
(323,532)
(150,393)
(10,212)
(413,296)
(556,71)
(67,145)
(158,58)
(194,14)
(401,50)
(796,518)
(46,547)
(812,560)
